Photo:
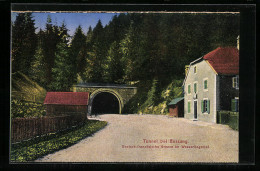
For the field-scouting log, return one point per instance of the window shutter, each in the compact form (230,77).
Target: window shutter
(188,107)
(237,82)
(233,105)
(202,106)
(233,82)
(208,105)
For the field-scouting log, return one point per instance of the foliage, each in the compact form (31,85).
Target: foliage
(23,88)
(24,41)
(152,97)
(131,47)
(32,150)
(228,118)
(23,109)
(78,53)
(38,66)
(61,70)
(112,66)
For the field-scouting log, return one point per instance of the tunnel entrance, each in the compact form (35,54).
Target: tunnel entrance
(105,103)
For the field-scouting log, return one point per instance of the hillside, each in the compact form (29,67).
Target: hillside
(153,96)
(23,88)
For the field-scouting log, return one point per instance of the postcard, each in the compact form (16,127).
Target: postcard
(94,86)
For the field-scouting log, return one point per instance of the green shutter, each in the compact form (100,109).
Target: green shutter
(202,106)
(208,105)
(188,89)
(237,103)
(205,84)
(233,105)
(195,88)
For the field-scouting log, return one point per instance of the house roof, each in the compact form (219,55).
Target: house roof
(67,98)
(224,60)
(175,101)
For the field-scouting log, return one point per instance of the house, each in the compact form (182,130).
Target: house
(212,84)
(58,103)
(176,107)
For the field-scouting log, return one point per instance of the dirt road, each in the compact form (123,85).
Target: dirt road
(153,138)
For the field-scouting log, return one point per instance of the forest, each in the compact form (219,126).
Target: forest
(150,49)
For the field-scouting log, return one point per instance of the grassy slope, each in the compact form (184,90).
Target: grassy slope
(152,98)
(25,89)
(33,149)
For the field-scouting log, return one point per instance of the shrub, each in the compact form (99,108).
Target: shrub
(228,118)
(23,109)
(153,96)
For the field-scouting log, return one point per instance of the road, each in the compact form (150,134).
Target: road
(153,138)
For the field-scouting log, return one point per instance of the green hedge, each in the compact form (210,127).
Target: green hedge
(36,148)
(228,118)
(23,109)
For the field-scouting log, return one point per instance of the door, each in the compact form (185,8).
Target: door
(195,109)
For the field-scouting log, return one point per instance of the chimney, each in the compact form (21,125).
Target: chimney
(238,42)
(186,69)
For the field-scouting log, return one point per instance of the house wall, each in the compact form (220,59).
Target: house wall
(226,92)
(64,109)
(204,71)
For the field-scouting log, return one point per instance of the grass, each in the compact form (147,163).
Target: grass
(26,89)
(36,148)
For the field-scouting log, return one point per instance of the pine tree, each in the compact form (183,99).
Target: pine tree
(127,50)
(62,68)
(97,54)
(24,42)
(37,71)
(77,51)
(112,66)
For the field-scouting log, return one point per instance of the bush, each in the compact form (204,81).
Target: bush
(23,109)
(153,96)
(36,148)
(228,118)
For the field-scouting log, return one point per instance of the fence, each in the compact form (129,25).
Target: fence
(228,118)
(26,128)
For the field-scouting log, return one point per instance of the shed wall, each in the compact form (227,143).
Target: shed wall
(52,109)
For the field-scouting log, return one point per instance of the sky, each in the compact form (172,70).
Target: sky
(72,20)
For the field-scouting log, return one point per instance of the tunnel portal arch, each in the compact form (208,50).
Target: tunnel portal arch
(101,90)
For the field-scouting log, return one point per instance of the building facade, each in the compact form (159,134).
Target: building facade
(63,103)
(212,84)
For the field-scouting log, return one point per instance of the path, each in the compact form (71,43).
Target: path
(219,141)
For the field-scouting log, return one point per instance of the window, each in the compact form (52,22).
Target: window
(205,106)
(195,69)
(205,84)
(188,107)
(189,89)
(195,87)
(235,105)
(235,82)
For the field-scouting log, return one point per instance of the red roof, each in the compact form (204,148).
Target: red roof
(67,98)
(224,60)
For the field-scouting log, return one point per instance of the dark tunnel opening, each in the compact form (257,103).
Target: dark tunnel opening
(105,103)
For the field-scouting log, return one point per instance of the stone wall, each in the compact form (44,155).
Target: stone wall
(125,93)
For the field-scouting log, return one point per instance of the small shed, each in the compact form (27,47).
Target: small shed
(58,103)
(176,107)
